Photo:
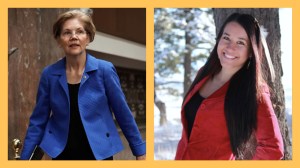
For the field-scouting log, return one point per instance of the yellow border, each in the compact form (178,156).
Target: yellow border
(149,5)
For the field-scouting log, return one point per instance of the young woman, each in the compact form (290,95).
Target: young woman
(229,100)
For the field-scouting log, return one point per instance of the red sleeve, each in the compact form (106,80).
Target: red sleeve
(268,136)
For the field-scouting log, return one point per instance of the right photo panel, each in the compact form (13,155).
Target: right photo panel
(223,84)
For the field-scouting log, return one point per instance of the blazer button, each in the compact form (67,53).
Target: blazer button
(50,132)
(107,135)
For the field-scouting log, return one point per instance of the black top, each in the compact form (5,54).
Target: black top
(78,147)
(191,109)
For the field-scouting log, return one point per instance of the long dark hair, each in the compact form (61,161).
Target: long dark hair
(244,91)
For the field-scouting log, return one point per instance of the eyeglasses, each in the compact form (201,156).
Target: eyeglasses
(69,33)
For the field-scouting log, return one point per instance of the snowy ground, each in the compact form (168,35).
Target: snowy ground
(288,109)
(167,136)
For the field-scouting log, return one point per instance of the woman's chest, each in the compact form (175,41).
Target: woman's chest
(210,122)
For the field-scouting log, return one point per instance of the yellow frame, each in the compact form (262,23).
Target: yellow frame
(149,5)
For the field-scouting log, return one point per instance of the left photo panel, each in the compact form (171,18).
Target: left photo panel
(76,83)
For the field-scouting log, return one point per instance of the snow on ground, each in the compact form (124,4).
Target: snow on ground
(168,135)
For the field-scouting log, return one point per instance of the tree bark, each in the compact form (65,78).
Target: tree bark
(187,55)
(162,110)
(269,19)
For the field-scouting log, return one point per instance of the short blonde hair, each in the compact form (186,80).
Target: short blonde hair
(82,16)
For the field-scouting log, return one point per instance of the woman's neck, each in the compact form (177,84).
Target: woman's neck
(224,76)
(75,63)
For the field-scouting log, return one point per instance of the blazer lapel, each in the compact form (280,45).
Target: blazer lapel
(63,83)
(60,70)
(195,89)
(91,65)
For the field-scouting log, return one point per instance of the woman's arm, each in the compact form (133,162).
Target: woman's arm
(268,136)
(122,112)
(38,119)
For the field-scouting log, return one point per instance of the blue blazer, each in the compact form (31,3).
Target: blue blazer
(99,93)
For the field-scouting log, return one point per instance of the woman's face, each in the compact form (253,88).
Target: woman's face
(73,38)
(234,47)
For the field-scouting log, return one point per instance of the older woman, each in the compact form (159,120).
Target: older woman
(72,119)
(229,100)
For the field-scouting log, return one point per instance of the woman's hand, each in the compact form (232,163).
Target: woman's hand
(142,157)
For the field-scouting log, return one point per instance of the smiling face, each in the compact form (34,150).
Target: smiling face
(234,47)
(73,38)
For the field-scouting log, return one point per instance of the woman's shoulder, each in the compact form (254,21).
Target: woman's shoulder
(104,63)
(57,66)
(99,61)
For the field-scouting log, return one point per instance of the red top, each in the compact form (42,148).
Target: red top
(209,139)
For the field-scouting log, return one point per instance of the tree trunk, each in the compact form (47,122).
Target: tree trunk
(162,110)
(187,54)
(269,18)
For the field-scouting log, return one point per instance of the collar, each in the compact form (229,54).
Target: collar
(221,92)
(60,67)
